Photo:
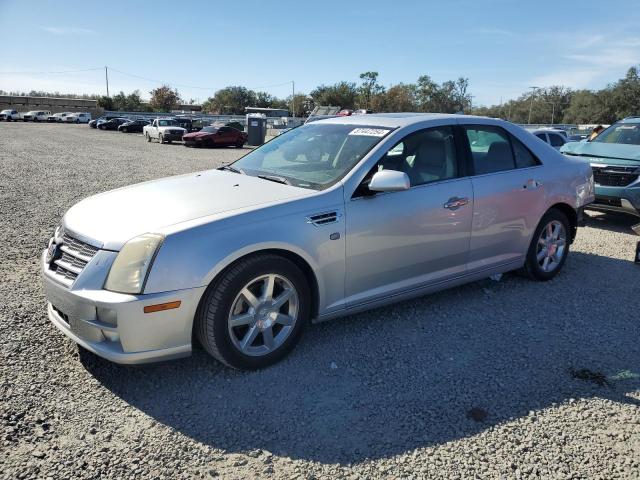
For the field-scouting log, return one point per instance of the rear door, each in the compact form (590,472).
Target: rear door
(509,197)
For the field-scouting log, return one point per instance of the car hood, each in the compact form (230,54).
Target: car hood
(112,218)
(617,152)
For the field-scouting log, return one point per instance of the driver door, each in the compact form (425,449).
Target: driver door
(401,241)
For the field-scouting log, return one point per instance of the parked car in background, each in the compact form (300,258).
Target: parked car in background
(35,116)
(552,137)
(362,111)
(186,123)
(331,218)
(9,115)
(215,137)
(133,126)
(345,112)
(112,124)
(577,137)
(163,130)
(315,118)
(81,117)
(614,156)
(58,117)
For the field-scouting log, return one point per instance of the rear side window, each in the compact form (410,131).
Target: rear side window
(490,149)
(542,136)
(556,140)
(495,150)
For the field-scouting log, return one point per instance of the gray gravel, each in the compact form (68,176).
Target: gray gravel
(508,379)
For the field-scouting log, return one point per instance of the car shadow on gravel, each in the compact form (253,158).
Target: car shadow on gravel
(420,373)
(612,221)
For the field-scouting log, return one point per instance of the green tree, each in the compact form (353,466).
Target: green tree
(231,101)
(341,94)
(398,98)
(106,103)
(368,89)
(164,99)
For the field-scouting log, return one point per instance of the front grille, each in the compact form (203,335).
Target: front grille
(614,176)
(74,257)
(175,132)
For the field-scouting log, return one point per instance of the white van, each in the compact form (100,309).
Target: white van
(80,117)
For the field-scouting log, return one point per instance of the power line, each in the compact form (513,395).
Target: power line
(51,73)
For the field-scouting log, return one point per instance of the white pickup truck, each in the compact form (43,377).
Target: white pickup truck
(163,130)
(36,116)
(9,115)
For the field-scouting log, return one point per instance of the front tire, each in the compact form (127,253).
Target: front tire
(253,315)
(549,246)
(160,138)
(147,136)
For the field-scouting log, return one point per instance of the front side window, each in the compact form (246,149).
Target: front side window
(315,155)
(627,133)
(425,156)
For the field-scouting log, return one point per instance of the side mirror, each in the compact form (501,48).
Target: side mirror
(389,181)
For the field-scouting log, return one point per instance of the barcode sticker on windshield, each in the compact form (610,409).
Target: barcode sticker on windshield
(369,132)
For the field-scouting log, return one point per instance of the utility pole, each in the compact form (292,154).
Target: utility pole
(293,99)
(106,77)
(531,103)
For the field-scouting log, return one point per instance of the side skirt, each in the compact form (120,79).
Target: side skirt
(420,291)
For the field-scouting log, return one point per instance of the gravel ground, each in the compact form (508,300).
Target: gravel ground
(508,379)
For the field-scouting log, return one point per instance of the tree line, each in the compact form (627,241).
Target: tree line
(554,104)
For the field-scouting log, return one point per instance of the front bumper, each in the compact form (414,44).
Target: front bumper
(114,325)
(617,199)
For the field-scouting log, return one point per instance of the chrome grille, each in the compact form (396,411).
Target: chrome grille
(75,256)
(614,176)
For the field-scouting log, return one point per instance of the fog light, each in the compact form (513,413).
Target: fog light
(107,315)
(111,336)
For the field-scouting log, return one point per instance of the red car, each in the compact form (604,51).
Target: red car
(215,137)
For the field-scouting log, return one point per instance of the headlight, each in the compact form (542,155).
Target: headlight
(130,268)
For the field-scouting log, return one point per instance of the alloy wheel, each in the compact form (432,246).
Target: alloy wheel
(263,315)
(551,247)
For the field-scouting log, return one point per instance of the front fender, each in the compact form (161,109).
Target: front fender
(194,257)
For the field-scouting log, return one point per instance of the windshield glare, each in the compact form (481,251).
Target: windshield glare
(315,155)
(167,123)
(627,133)
(209,129)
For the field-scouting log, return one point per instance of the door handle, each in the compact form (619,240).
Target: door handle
(455,203)
(532,184)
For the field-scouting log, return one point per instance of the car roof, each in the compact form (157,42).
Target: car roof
(393,120)
(633,119)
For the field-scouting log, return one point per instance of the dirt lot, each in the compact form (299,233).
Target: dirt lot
(508,379)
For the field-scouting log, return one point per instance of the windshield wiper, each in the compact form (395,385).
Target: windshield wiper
(275,178)
(231,169)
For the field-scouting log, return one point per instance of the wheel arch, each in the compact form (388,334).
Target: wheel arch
(301,262)
(571,215)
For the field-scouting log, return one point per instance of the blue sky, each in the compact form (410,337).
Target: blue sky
(502,46)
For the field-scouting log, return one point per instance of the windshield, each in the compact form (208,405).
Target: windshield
(627,133)
(314,155)
(167,123)
(209,129)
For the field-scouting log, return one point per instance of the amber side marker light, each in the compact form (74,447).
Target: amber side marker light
(161,307)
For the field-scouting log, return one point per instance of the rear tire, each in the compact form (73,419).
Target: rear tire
(549,247)
(282,323)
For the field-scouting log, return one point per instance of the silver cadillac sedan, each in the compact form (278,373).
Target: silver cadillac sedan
(334,217)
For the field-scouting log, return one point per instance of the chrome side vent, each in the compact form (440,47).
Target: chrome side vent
(324,218)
